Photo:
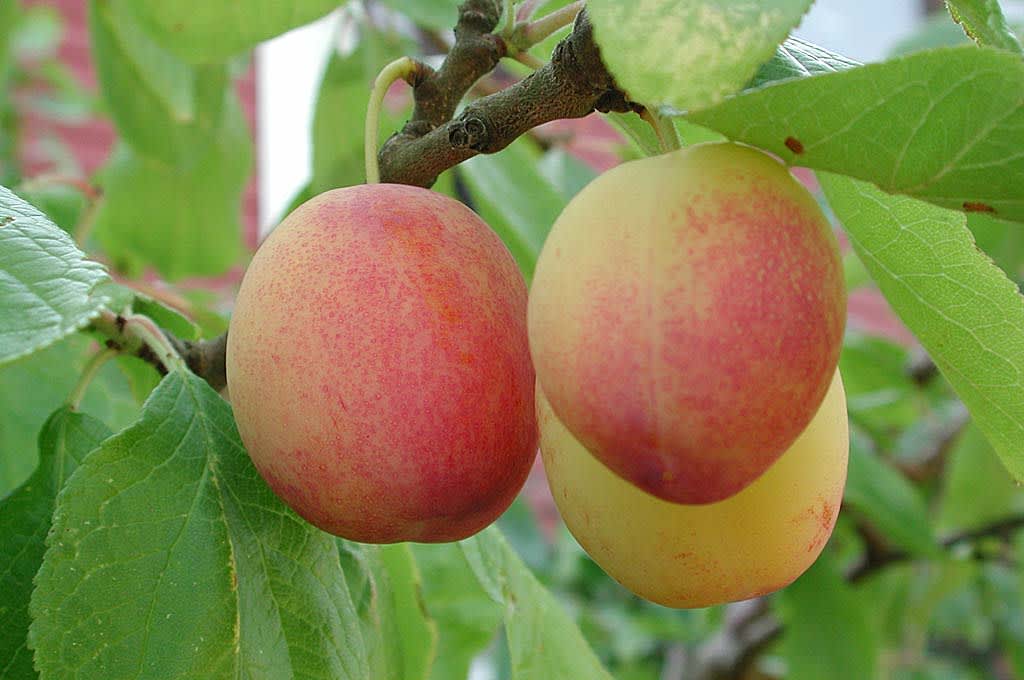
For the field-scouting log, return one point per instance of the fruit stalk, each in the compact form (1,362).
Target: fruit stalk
(403,68)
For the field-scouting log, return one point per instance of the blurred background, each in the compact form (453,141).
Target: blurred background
(920,474)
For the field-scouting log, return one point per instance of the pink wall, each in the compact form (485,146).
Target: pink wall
(90,141)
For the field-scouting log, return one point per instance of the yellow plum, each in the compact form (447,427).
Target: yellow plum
(753,543)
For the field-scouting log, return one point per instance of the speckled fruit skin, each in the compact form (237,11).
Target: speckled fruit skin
(750,544)
(379,368)
(686,316)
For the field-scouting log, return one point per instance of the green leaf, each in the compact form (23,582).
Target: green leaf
(170,557)
(125,299)
(931,588)
(182,221)
(637,131)
(880,396)
(975,487)
(885,497)
(164,107)
(340,113)
(943,126)
(796,58)
(62,204)
(514,199)
(826,627)
(417,634)
(36,385)
(965,311)
(172,190)
(467,619)
(984,22)
(1002,241)
(46,284)
(369,587)
(543,641)
(24,522)
(387,590)
(689,53)
(166,317)
(204,309)
(520,526)
(440,15)
(202,31)
(566,173)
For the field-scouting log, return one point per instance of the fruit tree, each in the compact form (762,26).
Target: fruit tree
(643,340)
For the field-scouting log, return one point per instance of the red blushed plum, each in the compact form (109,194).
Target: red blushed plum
(686,317)
(379,368)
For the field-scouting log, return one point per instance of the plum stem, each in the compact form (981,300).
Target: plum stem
(403,68)
(664,129)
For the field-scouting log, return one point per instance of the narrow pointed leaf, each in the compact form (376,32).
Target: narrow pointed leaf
(890,502)
(467,619)
(983,22)
(399,635)
(515,200)
(542,640)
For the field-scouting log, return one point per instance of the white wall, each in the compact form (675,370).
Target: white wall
(288,73)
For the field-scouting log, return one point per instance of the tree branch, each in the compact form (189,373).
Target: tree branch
(475,53)
(750,626)
(1002,528)
(573,84)
(205,358)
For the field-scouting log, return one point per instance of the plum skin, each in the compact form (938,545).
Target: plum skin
(378,366)
(750,544)
(686,316)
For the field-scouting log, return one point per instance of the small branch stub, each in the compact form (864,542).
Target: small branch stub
(664,129)
(139,336)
